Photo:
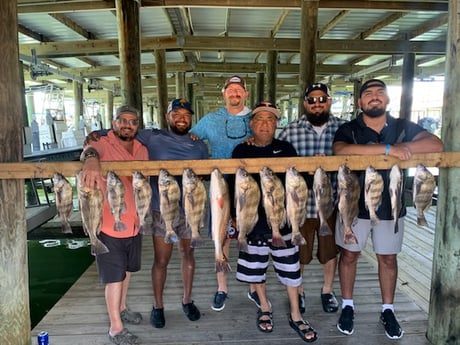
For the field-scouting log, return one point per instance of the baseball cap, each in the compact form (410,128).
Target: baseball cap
(126,109)
(234,80)
(179,103)
(317,86)
(371,83)
(266,106)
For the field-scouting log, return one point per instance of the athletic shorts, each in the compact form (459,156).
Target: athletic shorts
(124,256)
(326,249)
(180,228)
(384,239)
(252,266)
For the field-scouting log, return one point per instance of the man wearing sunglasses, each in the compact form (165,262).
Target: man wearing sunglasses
(312,135)
(173,143)
(223,129)
(124,256)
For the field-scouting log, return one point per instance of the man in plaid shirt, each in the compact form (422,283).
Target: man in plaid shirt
(312,135)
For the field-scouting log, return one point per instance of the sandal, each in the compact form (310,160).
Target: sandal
(125,337)
(263,325)
(303,332)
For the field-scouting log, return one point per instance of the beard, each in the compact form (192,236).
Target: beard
(374,112)
(179,131)
(318,119)
(125,136)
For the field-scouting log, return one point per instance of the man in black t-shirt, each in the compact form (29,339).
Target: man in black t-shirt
(253,263)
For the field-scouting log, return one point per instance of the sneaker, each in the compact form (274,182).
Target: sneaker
(191,311)
(125,337)
(345,324)
(157,317)
(392,328)
(253,296)
(132,317)
(302,302)
(329,302)
(219,301)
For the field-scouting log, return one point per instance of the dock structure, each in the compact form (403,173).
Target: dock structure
(80,317)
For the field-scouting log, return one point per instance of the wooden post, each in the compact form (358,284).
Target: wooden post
(78,102)
(129,48)
(308,33)
(272,69)
(180,85)
(407,86)
(260,82)
(162,86)
(444,313)
(14,277)
(109,109)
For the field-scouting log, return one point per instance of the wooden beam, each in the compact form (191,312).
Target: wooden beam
(25,6)
(24,170)
(240,44)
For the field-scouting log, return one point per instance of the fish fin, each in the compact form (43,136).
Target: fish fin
(223,266)
(191,199)
(171,237)
(295,197)
(350,238)
(242,200)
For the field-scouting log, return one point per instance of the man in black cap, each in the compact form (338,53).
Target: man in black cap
(312,135)
(374,132)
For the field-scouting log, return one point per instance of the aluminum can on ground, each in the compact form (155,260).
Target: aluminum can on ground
(43,338)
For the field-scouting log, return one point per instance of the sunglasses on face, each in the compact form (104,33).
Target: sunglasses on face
(320,99)
(131,122)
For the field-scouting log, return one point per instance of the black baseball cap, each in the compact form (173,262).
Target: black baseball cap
(126,109)
(318,86)
(371,83)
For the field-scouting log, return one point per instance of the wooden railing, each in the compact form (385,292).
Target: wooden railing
(22,170)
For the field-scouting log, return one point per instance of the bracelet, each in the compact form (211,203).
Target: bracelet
(387,149)
(88,154)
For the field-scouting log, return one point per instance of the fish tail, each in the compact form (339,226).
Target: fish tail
(350,238)
(196,242)
(66,228)
(297,239)
(119,226)
(396,226)
(324,229)
(170,237)
(223,266)
(98,248)
(421,220)
(243,245)
(278,241)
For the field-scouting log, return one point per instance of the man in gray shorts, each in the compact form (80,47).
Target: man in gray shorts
(375,132)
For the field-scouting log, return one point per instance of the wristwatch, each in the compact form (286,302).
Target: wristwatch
(88,154)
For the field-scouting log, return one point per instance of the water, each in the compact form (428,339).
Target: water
(55,263)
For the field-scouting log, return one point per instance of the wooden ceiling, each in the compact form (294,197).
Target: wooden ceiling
(69,40)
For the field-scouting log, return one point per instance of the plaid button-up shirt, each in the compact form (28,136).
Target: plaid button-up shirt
(301,134)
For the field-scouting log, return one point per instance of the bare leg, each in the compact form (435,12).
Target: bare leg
(113,292)
(329,269)
(162,255)
(187,268)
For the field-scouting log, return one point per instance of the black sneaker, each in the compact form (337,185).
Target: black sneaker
(302,302)
(219,301)
(253,296)
(345,324)
(392,328)
(157,317)
(191,311)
